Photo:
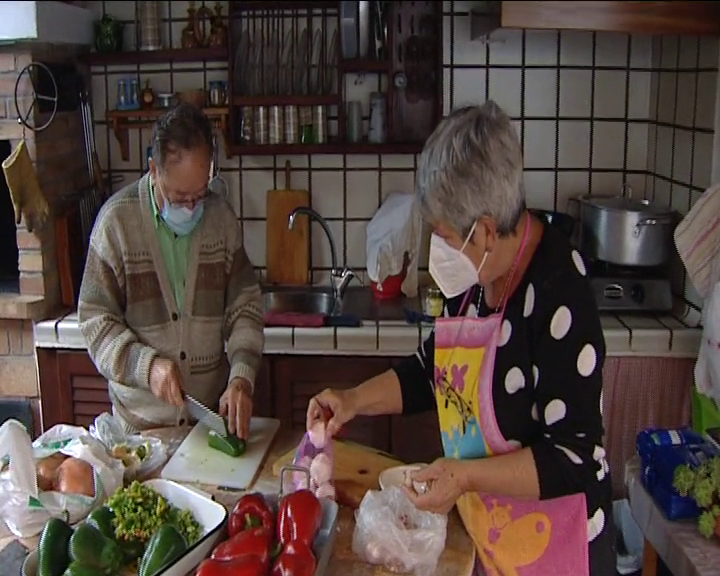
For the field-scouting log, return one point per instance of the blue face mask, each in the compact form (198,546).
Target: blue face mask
(180,219)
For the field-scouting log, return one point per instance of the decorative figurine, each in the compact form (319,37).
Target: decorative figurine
(218,32)
(188,37)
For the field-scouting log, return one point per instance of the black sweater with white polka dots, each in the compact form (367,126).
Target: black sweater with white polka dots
(547,384)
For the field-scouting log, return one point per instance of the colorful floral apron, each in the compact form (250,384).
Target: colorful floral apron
(513,537)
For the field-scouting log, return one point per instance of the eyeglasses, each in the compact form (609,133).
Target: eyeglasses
(184,200)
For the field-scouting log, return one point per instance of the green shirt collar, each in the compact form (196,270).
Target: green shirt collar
(153,204)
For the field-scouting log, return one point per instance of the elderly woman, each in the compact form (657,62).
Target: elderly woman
(513,369)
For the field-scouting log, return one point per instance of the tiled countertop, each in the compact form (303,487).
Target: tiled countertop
(624,336)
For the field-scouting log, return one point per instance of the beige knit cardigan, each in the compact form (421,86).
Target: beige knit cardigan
(128,315)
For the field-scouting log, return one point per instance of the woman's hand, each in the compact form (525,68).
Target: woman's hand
(336,407)
(445,480)
(236,403)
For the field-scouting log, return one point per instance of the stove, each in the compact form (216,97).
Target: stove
(629,288)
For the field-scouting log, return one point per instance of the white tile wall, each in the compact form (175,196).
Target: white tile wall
(586,107)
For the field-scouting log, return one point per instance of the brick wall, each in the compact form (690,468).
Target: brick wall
(59,159)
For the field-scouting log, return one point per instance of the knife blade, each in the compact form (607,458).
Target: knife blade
(203,414)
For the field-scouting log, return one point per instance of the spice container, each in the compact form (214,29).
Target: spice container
(432,301)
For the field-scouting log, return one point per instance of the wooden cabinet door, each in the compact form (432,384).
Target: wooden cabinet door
(88,388)
(296,379)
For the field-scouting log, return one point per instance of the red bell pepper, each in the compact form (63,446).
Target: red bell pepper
(256,543)
(245,566)
(299,517)
(296,559)
(251,511)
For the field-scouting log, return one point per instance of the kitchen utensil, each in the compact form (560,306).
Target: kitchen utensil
(203,414)
(356,470)
(288,251)
(209,514)
(195,462)
(626,232)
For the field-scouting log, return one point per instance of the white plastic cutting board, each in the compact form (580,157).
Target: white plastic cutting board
(194,461)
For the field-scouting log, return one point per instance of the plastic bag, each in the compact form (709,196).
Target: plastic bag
(140,455)
(22,506)
(390,531)
(395,229)
(314,454)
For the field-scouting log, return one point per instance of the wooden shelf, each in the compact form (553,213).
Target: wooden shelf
(332,147)
(289,100)
(125,120)
(156,56)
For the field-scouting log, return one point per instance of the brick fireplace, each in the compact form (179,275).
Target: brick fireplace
(33,292)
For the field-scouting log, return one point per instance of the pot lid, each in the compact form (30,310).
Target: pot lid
(624,204)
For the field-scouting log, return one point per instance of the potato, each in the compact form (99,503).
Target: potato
(75,476)
(45,468)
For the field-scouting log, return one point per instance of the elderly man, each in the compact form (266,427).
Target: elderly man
(170,303)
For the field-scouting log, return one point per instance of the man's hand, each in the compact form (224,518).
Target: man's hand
(166,381)
(236,403)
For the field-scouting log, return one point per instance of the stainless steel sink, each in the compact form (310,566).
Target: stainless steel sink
(311,300)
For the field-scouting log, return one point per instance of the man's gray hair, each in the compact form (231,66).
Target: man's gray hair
(184,127)
(472,167)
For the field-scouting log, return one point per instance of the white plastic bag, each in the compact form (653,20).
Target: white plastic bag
(391,532)
(22,506)
(140,455)
(394,230)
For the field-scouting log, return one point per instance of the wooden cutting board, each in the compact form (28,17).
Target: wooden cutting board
(288,251)
(357,469)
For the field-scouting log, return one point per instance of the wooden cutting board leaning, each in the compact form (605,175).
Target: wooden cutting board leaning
(356,470)
(288,251)
(194,461)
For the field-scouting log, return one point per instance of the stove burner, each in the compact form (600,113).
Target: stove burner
(630,288)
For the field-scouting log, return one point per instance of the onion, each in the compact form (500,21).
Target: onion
(326,490)
(321,469)
(318,434)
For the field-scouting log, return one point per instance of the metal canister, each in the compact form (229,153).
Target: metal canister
(275,122)
(320,124)
(292,125)
(149,26)
(306,125)
(260,131)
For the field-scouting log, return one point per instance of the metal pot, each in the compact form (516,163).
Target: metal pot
(626,232)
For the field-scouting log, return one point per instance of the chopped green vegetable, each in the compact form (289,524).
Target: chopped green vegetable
(230,444)
(140,511)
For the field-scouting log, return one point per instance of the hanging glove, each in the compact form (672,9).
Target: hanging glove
(27,196)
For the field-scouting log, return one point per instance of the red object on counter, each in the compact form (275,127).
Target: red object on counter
(245,566)
(255,543)
(299,517)
(390,287)
(251,511)
(296,559)
(294,319)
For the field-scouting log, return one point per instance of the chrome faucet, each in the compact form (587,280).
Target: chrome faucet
(339,279)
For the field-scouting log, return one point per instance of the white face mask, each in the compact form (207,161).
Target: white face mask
(452,270)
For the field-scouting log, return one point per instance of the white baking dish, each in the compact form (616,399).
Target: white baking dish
(209,514)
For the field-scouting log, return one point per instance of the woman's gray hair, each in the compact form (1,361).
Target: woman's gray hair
(472,167)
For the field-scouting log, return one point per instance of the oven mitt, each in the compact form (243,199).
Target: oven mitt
(27,196)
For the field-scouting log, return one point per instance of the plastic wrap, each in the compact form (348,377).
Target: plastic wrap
(139,454)
(391,532)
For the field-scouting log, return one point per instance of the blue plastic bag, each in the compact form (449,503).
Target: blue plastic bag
(661,451)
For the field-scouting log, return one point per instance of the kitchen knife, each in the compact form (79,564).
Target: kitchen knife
(203,414)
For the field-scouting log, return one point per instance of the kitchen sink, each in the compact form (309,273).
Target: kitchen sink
(310,300)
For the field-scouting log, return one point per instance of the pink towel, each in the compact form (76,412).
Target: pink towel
(294,319)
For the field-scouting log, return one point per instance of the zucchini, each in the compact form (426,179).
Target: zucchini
(165,546)
(53,548)
(90,548)
(230,444)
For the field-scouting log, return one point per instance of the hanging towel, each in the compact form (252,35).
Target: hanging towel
(697,239)
(25,192)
